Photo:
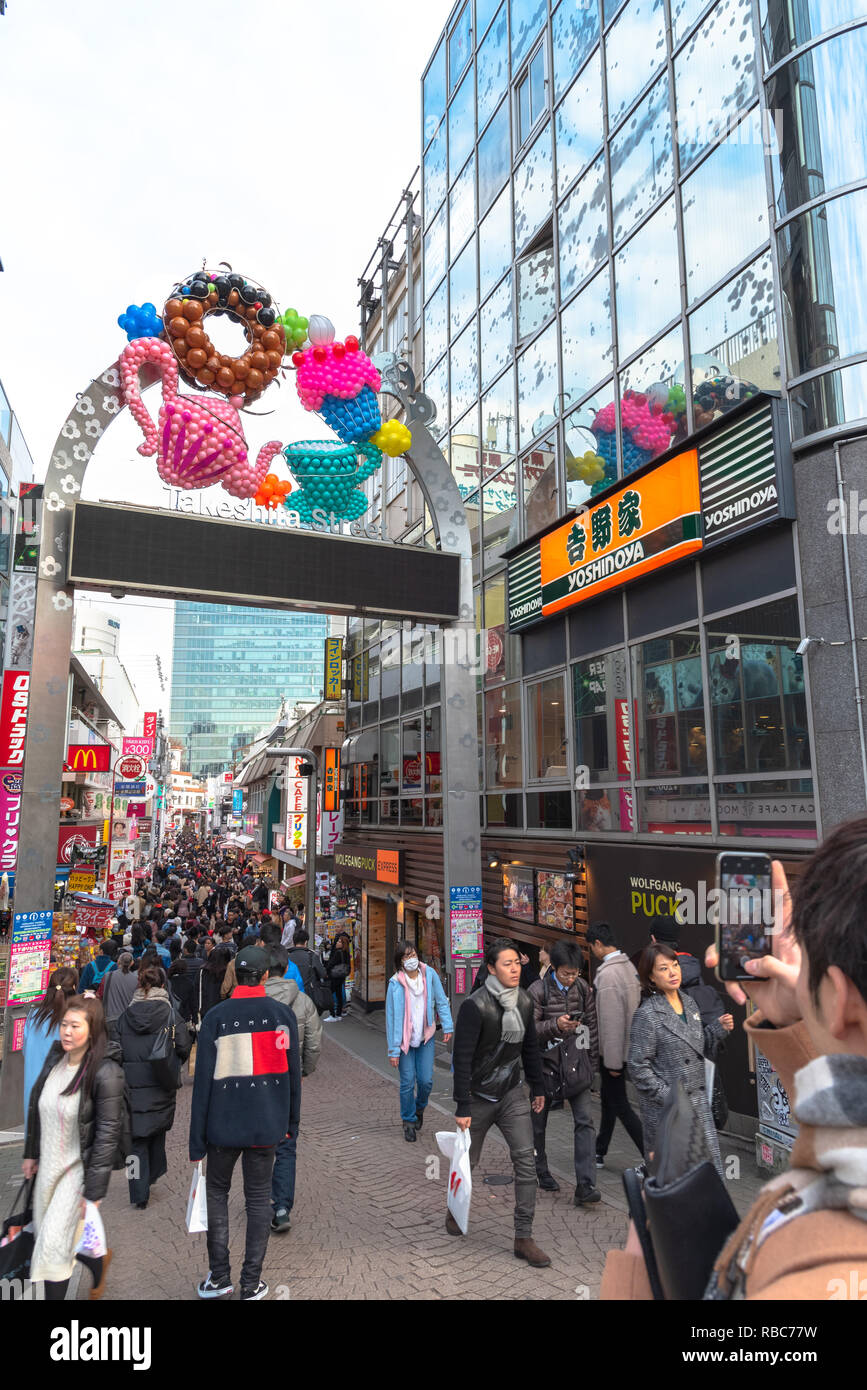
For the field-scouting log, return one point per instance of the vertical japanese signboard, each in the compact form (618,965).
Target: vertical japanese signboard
(331,779)
(296,806)
(333,668)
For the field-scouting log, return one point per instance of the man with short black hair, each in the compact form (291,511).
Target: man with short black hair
(618,994)
(246,1099)
(494,1037)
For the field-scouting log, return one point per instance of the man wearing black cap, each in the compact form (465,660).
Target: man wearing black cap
(246,1099)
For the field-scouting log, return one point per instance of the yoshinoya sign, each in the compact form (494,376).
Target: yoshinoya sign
(738,478)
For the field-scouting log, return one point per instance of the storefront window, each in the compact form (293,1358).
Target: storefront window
(546,717)
(370,686)
(578,121)
(668,686)
(389,758)
(433,781)
(506,811)
(433,655)
(433,811)
(413,666)
(602,809)
(602,726)
(758,702)
(411,811)
(549,810)
(390,675)
(503,765)
(783,809)
(675,809)
(502,661)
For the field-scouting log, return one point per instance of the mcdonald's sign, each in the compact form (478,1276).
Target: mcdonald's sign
(331,779)
(89,757)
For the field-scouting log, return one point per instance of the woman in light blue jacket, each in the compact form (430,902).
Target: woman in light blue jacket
(415,996)
(42,1027)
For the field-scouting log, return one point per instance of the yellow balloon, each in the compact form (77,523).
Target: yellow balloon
(393,438)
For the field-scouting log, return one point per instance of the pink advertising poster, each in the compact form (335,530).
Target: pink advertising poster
(18,1034)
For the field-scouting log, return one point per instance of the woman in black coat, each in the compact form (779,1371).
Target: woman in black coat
(337,967)
(152,1104)
(212,976)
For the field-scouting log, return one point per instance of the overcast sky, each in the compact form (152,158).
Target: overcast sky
(138,139)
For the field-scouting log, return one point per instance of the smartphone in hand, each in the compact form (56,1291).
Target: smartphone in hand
(744,912)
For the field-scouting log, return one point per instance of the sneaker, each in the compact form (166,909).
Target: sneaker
(280,1221)
(600,1160)
(215,1288)
(548,1183)
(586,1196)
(329,1018)
(253,1294)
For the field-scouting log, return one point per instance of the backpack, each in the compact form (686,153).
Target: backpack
(319,991)
(97,983)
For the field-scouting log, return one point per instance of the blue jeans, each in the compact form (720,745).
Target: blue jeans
(283,1177)
(415,1069)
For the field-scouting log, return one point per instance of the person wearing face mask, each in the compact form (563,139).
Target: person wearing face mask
(415,997)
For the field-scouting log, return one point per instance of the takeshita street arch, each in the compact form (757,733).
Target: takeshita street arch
(198,442)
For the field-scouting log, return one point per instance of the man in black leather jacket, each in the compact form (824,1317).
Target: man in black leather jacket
(495,1037)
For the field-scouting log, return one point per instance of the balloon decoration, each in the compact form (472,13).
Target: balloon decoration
(338,380)
(141,322)
(184,315)
(646,431)
(393,438)
(273,491)
(295,329)
(718,395)
(328,476)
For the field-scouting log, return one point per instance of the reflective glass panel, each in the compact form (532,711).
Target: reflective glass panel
(784,808)
(462,287)
(585,328)
(684,13)
(734,334)
(389,757)
(669,691)
(433,782)
(435,174)
(435,328)
(818,100)
(591,447)
(527,17)
(499,514)
(492,68)
(601,710)
(793,25)
(496,331)
(642,165)
(435,92)
(504,810)
(583,228)
(533,189)
(503,737)
(647,280)
(412,673)
(462,209)
(652,402)
(634,49)
(575,29)
(498,422)
(436,386)
(541,485)
(495,243)
(464,454)
(535,290)
(390,675)
(462,126)
(819,251)
(605,809)
(460,44)
(464,368)
(484,11)
(495,158)
(503,648)
(725,207)
(537,384)
(5,417)
(546,720)
(675,808)
(714,77)
(830,400)
(435,251)
(578,123)
(532,94)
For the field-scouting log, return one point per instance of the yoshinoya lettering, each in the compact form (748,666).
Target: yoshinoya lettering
(721,515)
(77,1343)
(518,610)
(605,565)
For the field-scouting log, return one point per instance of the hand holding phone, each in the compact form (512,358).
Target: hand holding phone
(775,994)
(744,912)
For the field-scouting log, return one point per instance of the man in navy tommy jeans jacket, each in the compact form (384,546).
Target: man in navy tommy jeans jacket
(246,1098)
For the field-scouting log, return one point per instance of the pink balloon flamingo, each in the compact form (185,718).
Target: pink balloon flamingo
(198,442)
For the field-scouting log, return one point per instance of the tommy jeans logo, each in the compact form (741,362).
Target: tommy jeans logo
(76,1343)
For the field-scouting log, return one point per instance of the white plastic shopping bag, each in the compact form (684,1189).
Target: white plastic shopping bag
(92,1241)
(456,1148)
(197,1203)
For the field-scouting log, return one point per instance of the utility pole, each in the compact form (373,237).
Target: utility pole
(275,751)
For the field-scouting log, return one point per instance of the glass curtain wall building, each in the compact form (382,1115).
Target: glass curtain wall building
(231,669)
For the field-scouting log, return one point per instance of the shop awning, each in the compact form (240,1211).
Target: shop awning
(293,882)
(259,858)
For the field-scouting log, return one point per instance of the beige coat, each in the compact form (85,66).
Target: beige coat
(307,1015)
(618,993)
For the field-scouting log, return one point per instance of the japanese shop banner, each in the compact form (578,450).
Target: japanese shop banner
(14,703)
(10,815)
(641,527)
(333,668)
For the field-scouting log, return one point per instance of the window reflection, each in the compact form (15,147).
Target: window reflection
(588,354)
(495,243)
(733,343)
(794,25)
(435,251)
(575,30)
(725,207)
(653,402)
(462,209)
(462,287)
(435,174)
(583,228)
(436,387)
(830,400)
(412,671)
(499,514)
(537,384)
(465,459)
(527,18)
(496,331)
(536,288)
(435,336)
(484,11)
(578,122)
(503,652)
(714,77)
(591,458)
(503,737)
(815,250)
(684,13)
(647,280)
(546,717)
(667,681)
(601,710)
(681,806)
(464,370)
(784,808)
(495,158)
(642,167)
(492,68)
(460,44)
(435,92)
(462,126)
(390,675)
(498,420)
(634,49)
(533,189)
(540,486)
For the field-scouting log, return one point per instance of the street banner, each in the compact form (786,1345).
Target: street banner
(149,728)
(85,838)
(14,703)
(81,881)
(10,817)
(89,757)
(138,747)
(331,779)
(296,806)
(333,668)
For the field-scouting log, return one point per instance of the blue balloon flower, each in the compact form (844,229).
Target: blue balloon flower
(141,321)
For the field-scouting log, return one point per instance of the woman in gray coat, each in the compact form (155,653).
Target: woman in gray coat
(668,1043)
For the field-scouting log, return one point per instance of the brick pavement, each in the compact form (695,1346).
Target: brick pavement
(368,1223)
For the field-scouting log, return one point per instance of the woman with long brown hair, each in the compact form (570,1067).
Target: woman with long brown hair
(75,1137)
(42,1028)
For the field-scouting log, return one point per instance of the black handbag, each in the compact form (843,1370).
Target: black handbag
(566,1068)
(165,1064)
(17,1235)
